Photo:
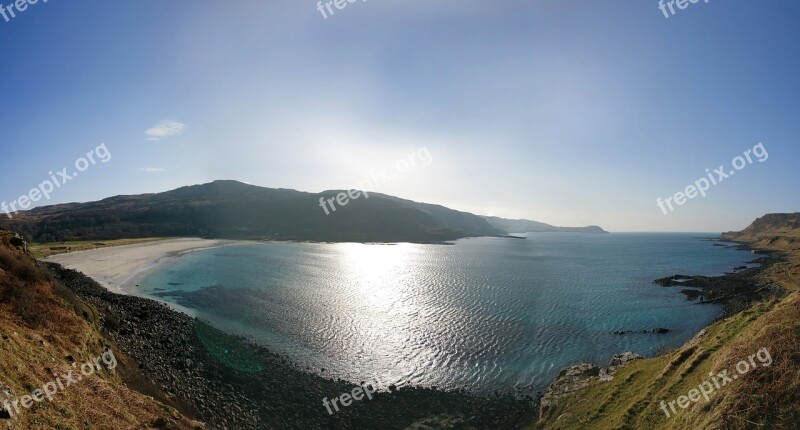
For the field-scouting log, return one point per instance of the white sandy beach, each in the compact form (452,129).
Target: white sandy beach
(118,268)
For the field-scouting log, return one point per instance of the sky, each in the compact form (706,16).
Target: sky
(566,112)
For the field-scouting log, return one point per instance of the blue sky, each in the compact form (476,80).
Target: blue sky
(566,112)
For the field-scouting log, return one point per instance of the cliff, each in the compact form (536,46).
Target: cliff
(47,338)
(771,231)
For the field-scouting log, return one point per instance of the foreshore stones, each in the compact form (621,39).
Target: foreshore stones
(657,330)
(172,362)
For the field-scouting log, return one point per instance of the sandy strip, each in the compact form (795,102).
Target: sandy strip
(118,268)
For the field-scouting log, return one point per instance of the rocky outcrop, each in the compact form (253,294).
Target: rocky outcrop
(735,291)
(441,422)
(568,381)
(14,241)
(7,419)
(577,377)
(617,361)
(657,330)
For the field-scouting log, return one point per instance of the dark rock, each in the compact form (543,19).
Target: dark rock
(6,395)
(568,381)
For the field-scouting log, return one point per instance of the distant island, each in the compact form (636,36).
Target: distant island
(234,210)
(528,226)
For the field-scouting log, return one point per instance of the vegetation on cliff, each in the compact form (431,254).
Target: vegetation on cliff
(44,330)
(765,398)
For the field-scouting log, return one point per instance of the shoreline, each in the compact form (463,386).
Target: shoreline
(120,268)
(736,291)
(230,382)
(141,259)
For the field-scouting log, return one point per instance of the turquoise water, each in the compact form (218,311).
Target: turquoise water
(484,314)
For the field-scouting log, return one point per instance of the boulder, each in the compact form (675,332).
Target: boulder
(568,381)
(7,418)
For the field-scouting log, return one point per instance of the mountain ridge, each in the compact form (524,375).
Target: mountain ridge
(234,210)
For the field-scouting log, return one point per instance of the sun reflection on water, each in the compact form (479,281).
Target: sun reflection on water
(379,273)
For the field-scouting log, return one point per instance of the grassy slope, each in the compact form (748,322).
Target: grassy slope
(42,250)
(765,398)
(39,329)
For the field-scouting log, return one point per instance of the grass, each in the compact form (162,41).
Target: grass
(764,398)
(101,401)
(43,329)
(42,250)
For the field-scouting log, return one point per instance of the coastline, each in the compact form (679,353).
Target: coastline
(131,263)
(737,291)
(140,259)
(119,268)
(179,360)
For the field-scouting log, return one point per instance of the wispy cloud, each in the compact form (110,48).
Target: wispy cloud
(151,169)
(164,129)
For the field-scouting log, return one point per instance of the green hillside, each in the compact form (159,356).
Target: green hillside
(765,397)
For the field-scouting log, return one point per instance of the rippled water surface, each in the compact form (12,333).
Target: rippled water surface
(486,313)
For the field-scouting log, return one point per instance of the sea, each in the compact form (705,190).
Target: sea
(482,314)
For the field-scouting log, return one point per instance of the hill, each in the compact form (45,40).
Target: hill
(771,231)
(234,210)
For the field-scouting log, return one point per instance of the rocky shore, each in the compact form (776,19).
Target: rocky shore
(229,383)
(735,291)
